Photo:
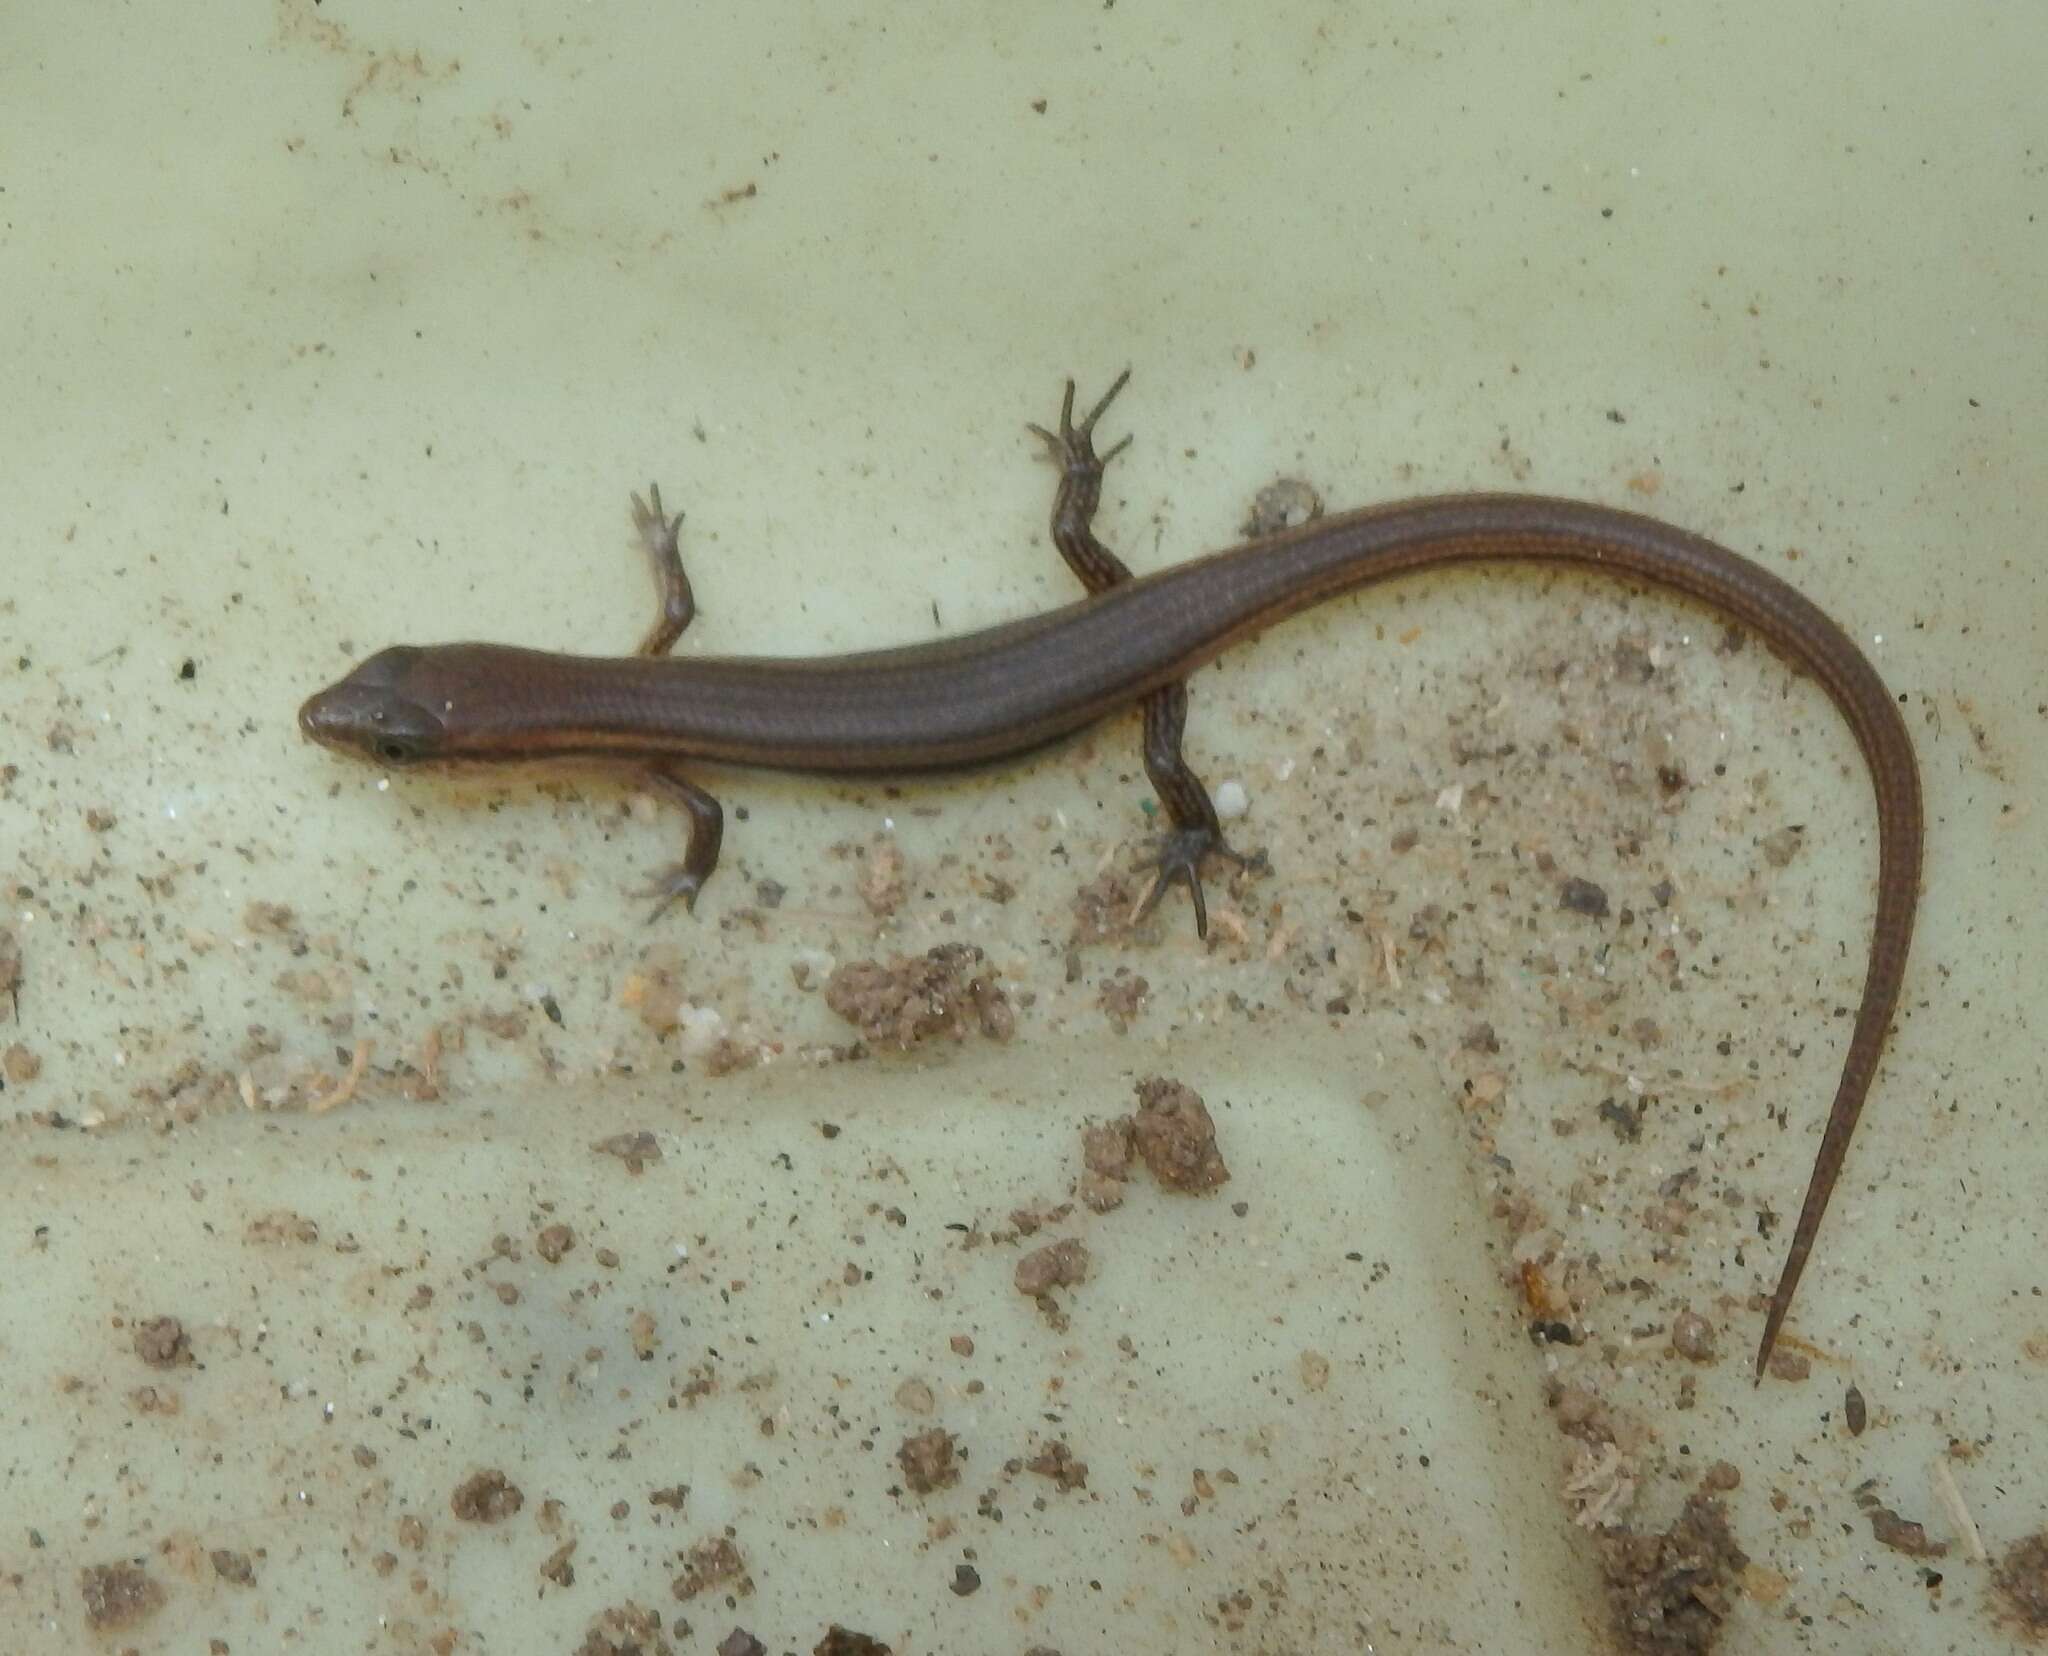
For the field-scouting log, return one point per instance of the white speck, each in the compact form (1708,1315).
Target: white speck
(1283,770)
(823,1318)
(1451,798)
(171,811)
(682,1249)
(383,783)
(701,1028)
(1231,800)
(1877,638)
(889,823)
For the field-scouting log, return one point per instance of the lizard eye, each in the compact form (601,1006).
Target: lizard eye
(395,750)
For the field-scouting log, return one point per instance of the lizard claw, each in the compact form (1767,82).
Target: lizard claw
(678,884)
(657,530)
(1072,447)
(1177,857)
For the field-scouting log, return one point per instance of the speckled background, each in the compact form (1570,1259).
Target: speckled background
(331,326)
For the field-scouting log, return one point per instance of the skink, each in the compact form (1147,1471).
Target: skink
(1005,691)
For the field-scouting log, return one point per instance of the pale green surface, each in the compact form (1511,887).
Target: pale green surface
(332,326)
